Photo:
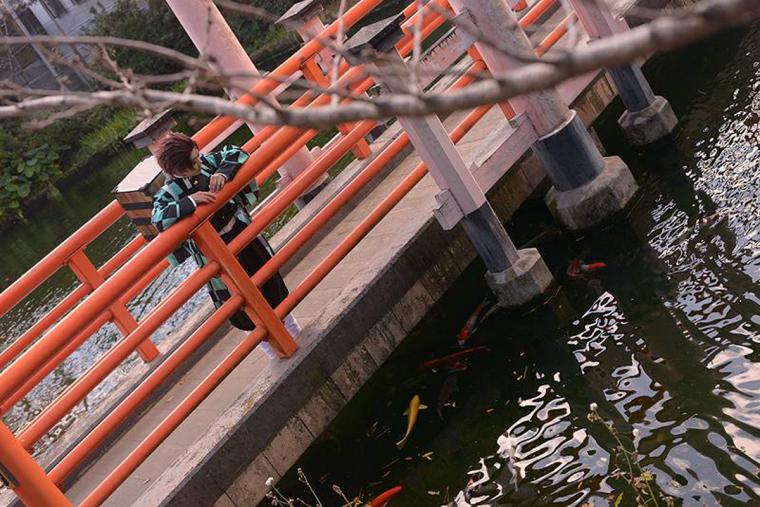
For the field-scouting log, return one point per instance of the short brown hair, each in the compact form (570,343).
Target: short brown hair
(173,153)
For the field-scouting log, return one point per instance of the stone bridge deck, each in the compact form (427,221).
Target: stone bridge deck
(261,418)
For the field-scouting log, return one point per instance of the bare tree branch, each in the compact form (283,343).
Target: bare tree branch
(147,47)
(663,34)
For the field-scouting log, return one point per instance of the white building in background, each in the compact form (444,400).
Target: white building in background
(24,64)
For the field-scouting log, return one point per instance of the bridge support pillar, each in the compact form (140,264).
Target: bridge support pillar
(214,38)
(648,117)
(587,188)
(644,121)
(515,277)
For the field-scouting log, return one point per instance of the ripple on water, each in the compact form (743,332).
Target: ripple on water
(696,405)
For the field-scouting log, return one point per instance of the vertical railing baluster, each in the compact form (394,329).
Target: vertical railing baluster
(24,476)
(256,306)
(87,273)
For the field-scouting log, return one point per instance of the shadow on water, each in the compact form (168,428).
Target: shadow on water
(665,339)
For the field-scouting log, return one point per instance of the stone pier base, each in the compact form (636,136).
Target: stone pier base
(649,125)
(527,279)
(597,200)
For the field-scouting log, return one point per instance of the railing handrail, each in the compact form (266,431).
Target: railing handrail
(105,218)
(57,258)
(87,233)
(153,253)
(75,392)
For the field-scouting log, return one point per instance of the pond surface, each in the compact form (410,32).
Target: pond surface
(665,340)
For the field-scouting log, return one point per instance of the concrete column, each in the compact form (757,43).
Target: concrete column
(515,277)
(213,37)
(648,117)
(587,188)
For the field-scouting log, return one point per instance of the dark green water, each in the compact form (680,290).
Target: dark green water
(666,340)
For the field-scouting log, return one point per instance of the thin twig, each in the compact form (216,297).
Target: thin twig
(334,72)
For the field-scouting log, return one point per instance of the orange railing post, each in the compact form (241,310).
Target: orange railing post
(24,476)
(133,400)
(312,72)
(49,264)
(286,69)
(87,273)
(256,306)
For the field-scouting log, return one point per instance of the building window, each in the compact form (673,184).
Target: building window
(54,7)
(26,56)
(15,59)
(30,21)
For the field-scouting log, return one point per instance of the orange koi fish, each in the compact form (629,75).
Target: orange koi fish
(382,499)
(452,358)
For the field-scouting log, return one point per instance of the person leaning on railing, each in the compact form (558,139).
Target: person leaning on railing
(194,179)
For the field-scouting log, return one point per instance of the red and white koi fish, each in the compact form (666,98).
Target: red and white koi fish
(383,498)
(482,311)
(593,266)
(452,358)
(702,223)
(466,331)
(578,268)
(711,219)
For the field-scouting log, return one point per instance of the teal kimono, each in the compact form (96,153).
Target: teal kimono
(172,202)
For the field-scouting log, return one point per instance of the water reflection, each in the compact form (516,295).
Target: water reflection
(673,351)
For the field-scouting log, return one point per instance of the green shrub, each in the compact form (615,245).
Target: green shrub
(27,172)
(31,161)
(158,25)
(103,137)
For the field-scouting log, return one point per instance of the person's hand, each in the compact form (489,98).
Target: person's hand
(216,182)
(203,198)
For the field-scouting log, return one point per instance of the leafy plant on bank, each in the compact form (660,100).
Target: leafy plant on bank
(32,161)
(35,168)
(153,21)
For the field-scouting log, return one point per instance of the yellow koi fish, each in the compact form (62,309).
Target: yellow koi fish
(414,408)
